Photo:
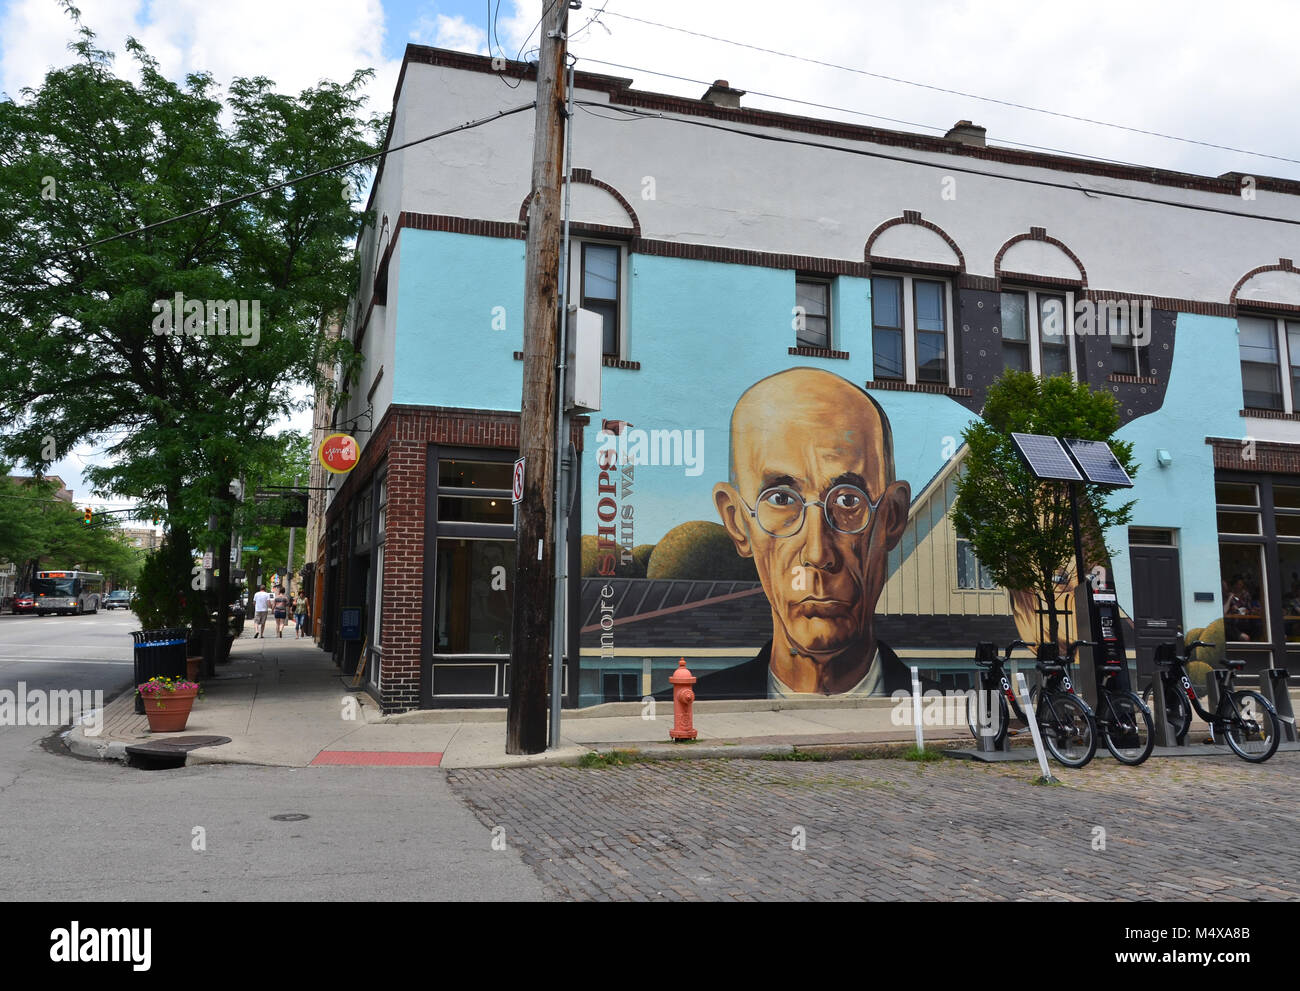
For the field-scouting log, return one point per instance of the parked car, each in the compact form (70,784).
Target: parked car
(24,603)
(119,598)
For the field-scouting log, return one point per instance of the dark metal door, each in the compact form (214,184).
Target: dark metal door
(1157,601)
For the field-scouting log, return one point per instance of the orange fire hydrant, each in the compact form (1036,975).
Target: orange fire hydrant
(683,699)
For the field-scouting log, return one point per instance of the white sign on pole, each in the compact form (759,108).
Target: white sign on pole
(916,708)
(207,559)
(517,494)
(1033,725)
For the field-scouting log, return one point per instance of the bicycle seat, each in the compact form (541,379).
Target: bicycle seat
(1233,665)
(1049,668)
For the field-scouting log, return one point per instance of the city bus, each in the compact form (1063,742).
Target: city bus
(71,592)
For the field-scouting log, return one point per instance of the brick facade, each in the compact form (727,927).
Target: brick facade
(401,443)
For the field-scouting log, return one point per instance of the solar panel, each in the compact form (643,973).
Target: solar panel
(1046,457)
(1099,464)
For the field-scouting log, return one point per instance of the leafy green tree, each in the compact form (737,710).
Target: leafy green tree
(86,313)
(1020,527)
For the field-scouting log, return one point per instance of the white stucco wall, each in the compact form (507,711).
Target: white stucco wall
(714,187)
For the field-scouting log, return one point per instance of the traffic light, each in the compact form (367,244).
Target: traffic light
(155,520)
(88,515)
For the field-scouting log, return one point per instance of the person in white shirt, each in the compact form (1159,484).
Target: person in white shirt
(261,602)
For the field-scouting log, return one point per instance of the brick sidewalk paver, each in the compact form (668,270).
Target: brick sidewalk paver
(1174,829)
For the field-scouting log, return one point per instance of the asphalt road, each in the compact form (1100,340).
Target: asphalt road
(77,829)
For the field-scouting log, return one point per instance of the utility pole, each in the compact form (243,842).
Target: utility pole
(288,571)
(530,640)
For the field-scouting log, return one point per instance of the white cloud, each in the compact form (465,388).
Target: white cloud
(1199,74)
(455,33)
(297,43)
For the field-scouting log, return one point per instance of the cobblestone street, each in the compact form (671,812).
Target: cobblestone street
(1174,829)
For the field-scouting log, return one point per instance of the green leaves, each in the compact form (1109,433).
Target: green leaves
(179,416)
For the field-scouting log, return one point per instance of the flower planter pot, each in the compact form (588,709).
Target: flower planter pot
(193,666)
(168,712)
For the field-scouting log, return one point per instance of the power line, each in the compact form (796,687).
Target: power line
(302,178)
(955,92)
(863,113)
(947,166)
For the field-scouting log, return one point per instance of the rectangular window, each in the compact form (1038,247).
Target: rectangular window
(1245,599)
(1293,349)
(970,573)
(1015,332)
(1053,332)
(887,326)
(599,289)
(475,592)
(814,314)
(1260,366)
(931,331)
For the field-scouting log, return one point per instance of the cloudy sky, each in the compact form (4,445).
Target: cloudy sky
(1189,69)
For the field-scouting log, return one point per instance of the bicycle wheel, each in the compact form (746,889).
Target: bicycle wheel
(1127,729)
(1178,711)
(1066,728)
(983,708)
(1252,727)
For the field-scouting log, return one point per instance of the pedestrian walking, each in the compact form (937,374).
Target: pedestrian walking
(300,615)
(280,610)
(261,602)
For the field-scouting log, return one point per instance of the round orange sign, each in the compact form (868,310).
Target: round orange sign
(337,453)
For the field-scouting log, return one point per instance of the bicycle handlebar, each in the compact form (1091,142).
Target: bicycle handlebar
(1076,645)
(1012,646)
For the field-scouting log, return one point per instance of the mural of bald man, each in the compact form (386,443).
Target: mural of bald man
(813,500)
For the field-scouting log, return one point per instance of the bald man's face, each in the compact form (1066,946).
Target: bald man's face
(811,436)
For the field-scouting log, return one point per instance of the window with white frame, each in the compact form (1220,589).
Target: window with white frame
(812,299)
(911,329)
(597,280)
(1270,362)
(1036,332)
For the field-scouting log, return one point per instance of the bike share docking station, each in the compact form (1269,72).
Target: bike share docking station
(1273,685)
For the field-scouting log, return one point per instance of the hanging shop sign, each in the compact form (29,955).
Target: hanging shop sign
(338,453)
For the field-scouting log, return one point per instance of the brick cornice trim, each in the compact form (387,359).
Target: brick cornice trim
(1176,304)
(1268,456)
(1039,234)
(1268,414)
(914,217)
(609,361)
(1283,265)
(933,388)
(584,176)
(739,256)
(1132,379)
(809,352)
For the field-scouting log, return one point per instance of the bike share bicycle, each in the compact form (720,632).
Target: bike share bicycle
(1247,720)
(1064,720)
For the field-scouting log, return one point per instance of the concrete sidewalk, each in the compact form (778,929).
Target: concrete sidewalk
(283,702)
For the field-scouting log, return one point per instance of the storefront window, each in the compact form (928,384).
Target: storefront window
(475,592)
(1245,597)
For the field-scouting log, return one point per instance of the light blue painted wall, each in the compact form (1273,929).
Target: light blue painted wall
(447,353)
(1203,400)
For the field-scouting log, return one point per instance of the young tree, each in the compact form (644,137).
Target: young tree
(1020,527)
(134,337)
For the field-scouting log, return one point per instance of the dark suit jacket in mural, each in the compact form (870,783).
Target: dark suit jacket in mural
(748,680)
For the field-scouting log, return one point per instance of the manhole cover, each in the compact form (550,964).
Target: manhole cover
(290,817)
(180,743)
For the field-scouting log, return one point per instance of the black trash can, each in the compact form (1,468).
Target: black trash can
(158,652)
